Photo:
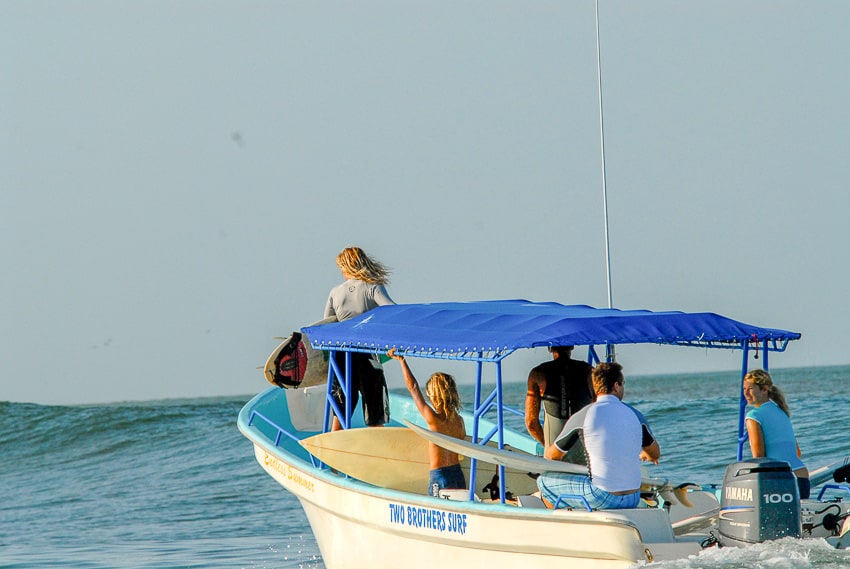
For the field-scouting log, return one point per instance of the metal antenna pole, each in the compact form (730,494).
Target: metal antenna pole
(609,350)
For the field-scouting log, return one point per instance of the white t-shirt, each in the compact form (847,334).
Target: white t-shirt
(612,438)
(354,297)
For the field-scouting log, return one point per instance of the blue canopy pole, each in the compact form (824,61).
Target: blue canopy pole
(344,380)
(592,357)
(742,436)
(326,425)
(476,402)
(764,351)
(347,424)
(500,414)
(473,463)
(500,418)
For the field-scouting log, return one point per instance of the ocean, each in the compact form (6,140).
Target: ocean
(168,484)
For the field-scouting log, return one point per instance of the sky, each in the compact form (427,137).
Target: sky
(177,178)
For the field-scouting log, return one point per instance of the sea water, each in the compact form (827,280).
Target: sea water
(169,484)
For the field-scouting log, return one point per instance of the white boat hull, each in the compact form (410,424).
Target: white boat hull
(381,522)
(371,527)
(360,525)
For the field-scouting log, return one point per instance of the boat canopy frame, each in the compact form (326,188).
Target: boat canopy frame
(486,332)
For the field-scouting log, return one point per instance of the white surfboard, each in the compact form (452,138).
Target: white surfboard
(270,369)
(397,458)
(317,365)
(523,462)
(823,473)
(493,455)
(383,456)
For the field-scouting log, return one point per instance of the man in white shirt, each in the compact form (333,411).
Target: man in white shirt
(614,441)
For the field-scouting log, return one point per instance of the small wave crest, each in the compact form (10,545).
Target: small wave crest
(787,553)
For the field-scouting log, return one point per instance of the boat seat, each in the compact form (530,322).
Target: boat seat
(530,501)
(460,494)
(652,523)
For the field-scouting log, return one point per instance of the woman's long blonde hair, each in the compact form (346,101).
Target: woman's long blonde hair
(761,378)
(442,391)
(356,264)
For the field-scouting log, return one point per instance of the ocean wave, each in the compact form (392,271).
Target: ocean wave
(786,553)
(158,484)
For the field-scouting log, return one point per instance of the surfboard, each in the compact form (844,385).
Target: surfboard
(383,456)
(824,473)
(524,462)
(493,455)
(397,458)
(270,370)
(317,364)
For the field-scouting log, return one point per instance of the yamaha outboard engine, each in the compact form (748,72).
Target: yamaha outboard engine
(760,502)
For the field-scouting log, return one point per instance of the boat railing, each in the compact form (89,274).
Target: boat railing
(562,499)
(279,430)
(826,487)
(513,410)
(483,411)
(489,403)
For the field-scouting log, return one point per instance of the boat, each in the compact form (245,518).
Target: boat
(364,516)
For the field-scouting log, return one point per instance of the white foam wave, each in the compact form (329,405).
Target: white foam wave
(785,553)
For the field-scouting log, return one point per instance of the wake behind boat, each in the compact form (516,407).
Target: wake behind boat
(371,509)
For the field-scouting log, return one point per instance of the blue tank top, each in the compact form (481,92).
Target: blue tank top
(779,440)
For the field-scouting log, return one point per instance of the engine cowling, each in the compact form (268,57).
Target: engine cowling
(760,501)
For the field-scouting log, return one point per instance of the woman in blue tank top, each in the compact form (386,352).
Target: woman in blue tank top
(769,426)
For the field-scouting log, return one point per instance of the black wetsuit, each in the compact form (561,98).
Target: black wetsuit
(566,392)
(566,387)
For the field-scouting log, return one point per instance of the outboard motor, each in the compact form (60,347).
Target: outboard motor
(760,502)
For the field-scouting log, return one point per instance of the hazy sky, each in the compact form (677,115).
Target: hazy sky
(178,177)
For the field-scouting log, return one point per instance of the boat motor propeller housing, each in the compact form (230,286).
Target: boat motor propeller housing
(760,502)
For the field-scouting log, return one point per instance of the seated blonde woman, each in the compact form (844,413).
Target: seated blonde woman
(769,426)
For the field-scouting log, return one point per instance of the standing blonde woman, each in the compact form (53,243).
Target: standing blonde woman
(769,426)
(442,418)
(364,289)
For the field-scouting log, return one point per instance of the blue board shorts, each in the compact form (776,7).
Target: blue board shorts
(448,477)
(554,484)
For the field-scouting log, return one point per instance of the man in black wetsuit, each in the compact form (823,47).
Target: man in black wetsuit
(564,386)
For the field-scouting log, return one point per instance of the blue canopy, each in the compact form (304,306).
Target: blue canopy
(456,330)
